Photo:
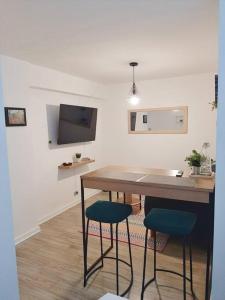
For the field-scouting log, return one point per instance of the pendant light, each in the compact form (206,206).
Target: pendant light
(133,98)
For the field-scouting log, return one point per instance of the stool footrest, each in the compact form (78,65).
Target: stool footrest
(92,270)
(172,272)
(168,271)
(89,270)
(119,259)
(98,260)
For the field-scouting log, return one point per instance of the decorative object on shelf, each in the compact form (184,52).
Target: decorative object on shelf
(76,157)
(67,164)
(206,168)
(15,116)
(134,98)
(194,161)
(214,103)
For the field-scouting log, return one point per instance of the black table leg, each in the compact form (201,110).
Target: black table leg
(83,231)
(209,262)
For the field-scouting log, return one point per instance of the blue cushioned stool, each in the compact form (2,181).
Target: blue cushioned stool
(173,222)
(110,213)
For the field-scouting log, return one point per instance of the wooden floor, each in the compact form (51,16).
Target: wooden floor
(50,265)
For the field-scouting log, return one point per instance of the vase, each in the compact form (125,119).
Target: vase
(206,168)
(195,170)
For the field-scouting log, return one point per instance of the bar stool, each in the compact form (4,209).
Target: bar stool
(110,213)
(173,222)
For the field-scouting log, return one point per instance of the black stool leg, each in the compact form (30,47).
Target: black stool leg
(144,267)
(117,195)
(124,198)
(100,228)
(154,255)
(117,262)
(184,269)
(140,201)
(111,226)
(129,245)
(85,253)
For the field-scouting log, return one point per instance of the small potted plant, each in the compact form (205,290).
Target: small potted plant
(194,160)
(78,156)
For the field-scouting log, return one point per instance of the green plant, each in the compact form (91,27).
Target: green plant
(78,155)
(213,105)
(195,159)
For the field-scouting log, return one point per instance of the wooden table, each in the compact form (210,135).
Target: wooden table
(151,182)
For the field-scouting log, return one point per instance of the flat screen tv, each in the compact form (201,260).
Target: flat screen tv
(76,124)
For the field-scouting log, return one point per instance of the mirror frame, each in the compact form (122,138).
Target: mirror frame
(180,131)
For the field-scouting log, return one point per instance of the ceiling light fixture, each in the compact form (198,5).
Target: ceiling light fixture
(133,98)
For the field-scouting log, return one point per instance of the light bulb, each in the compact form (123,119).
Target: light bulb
(134,100)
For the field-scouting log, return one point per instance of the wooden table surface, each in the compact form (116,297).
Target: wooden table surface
(154,182)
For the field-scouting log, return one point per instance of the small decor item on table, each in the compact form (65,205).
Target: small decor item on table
(15,116)
(194,161)
(213,165)
(206,168)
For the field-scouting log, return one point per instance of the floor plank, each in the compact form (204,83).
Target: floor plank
(50,265)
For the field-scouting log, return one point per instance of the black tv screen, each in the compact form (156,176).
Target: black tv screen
(76,124)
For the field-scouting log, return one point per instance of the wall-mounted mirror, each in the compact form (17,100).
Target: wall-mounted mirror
(158,120)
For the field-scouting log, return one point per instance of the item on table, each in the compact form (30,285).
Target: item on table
(206,168)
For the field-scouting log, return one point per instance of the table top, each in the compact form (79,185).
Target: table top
(151,177)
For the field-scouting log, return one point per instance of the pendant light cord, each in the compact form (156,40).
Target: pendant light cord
(133,64)
(134,86)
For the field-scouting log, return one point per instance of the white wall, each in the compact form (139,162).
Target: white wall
(38,189)
(165,150)
(8,275)
(218,286)
(55,188)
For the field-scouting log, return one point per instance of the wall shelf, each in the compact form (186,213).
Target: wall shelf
(77,164)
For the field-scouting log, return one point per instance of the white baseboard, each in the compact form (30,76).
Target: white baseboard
(58,211)
(65,207)
(55,213)
(27,235)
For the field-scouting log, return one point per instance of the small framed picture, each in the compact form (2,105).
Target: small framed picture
(15,116)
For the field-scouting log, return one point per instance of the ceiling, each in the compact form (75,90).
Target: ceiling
(96,39)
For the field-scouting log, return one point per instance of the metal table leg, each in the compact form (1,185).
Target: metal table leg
(210,247)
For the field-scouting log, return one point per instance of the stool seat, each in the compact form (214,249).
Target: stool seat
(108,212)
(173,222)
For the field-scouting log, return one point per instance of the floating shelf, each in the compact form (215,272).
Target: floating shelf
(77,164)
